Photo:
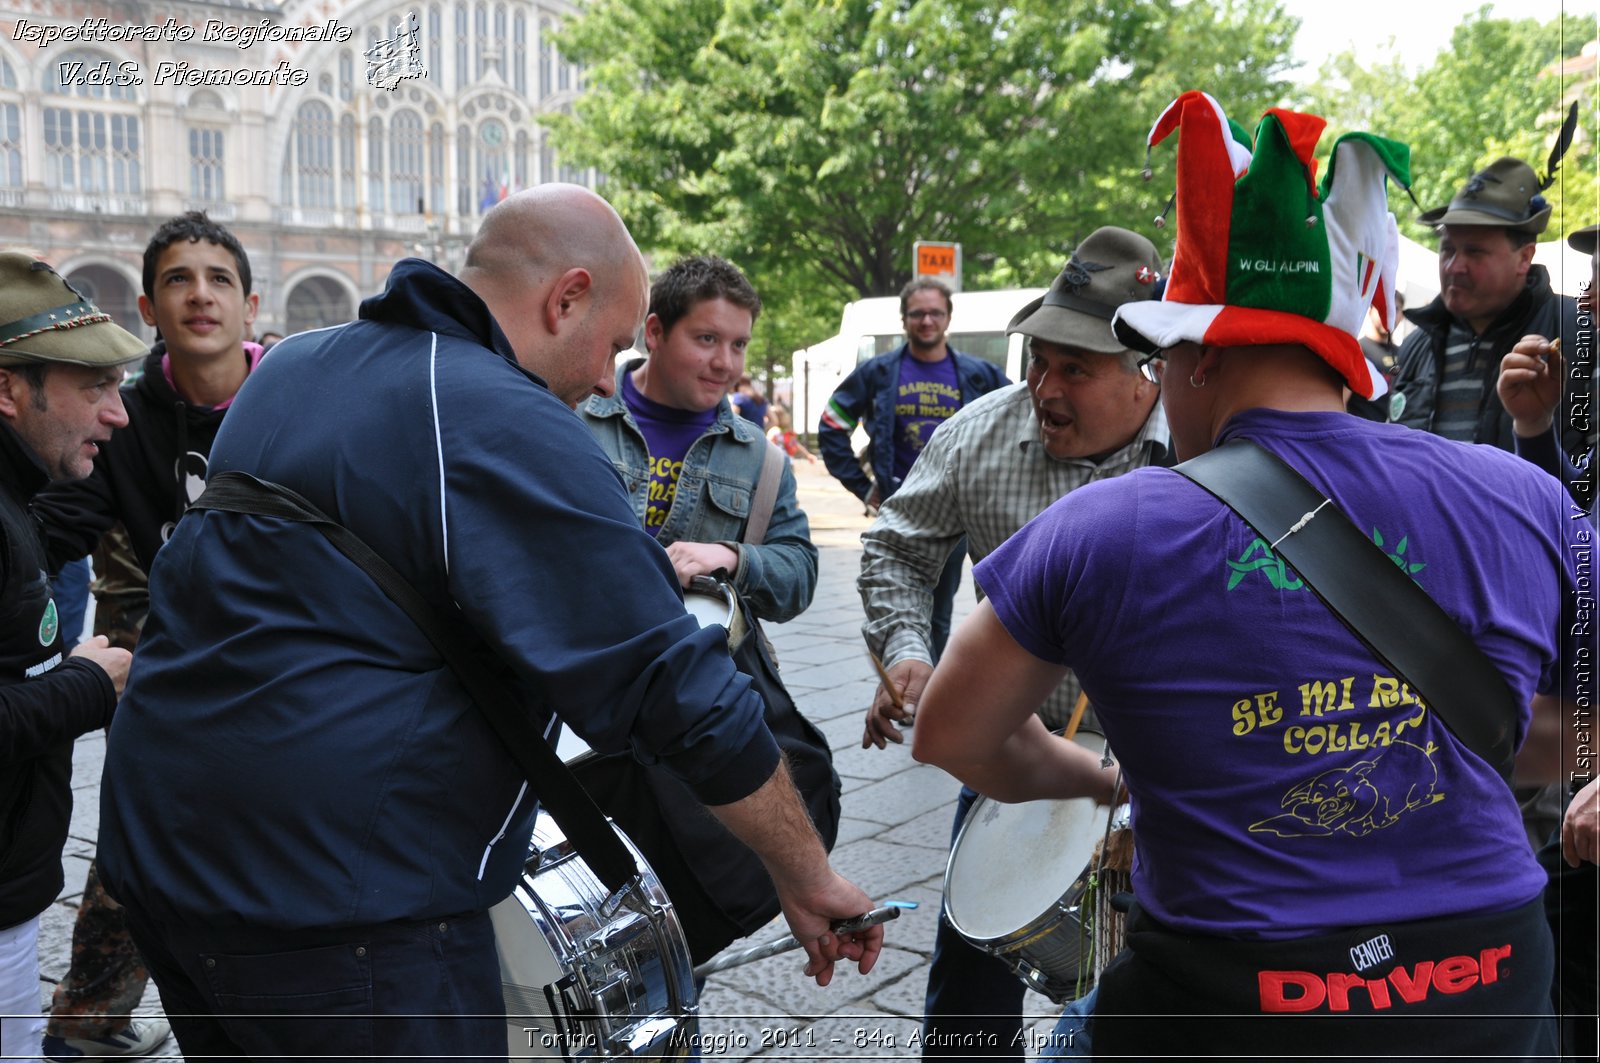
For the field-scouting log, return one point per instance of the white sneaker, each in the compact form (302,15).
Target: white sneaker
(136,1039)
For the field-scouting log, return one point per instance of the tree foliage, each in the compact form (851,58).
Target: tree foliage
(813,141)
(1495,91)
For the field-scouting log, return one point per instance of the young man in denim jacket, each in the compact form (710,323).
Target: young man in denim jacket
(690,463)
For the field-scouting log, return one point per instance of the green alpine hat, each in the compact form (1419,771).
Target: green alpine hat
(45,319)
(1113,266)
(1505,194)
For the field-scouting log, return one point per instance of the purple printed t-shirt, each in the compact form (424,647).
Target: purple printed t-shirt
(929,394)
(1284,782)
(668,435)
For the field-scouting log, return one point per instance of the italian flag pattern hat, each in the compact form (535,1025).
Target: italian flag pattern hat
(1263,255)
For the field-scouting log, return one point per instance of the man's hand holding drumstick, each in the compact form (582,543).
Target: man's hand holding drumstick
(895,701)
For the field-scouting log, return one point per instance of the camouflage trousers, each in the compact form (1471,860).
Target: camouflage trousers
(107,977)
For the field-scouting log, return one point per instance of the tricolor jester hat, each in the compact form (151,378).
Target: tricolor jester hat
(1263,256)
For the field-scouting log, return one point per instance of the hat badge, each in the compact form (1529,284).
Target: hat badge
(1077,273)
(1146,275)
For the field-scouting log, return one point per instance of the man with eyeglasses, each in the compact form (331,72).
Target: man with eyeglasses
(903,397)
(1085,413)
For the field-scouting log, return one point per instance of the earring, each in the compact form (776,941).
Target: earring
(1196,383)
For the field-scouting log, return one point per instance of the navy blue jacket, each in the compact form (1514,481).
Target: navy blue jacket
(291,752)
(867,395)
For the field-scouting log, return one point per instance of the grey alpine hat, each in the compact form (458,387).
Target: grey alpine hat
(1584,239)
(1112,267)
(1505,194)
(45,319)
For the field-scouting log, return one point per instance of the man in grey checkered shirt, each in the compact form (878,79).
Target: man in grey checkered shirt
(1085,412)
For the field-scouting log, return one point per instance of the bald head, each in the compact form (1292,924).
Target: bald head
(563,278)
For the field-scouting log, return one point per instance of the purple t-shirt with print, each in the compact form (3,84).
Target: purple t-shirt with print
(668,435)
(929,394)
(1284,782)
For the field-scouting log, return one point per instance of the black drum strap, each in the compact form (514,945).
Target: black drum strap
(558,791)
(1382,605)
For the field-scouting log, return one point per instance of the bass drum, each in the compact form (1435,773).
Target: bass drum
(582,981)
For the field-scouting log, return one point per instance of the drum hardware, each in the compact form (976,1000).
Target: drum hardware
(999,897)
(713,601)
(750,954)
(586,973)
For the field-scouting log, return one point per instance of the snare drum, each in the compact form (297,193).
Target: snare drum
(582,981)
(1018,887)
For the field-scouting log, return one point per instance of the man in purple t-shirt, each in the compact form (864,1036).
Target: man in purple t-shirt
(1313,842)
(900,398)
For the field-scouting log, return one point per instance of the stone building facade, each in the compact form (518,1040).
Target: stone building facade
(334,137)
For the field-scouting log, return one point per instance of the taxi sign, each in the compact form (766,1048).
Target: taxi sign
(941,261)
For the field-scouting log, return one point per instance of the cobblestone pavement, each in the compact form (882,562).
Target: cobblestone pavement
(893,841)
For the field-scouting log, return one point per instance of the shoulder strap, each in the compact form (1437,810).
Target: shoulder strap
(765,497)
(585,825)
(1382,605)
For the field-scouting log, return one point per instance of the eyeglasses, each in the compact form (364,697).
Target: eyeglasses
(931,315)
(1151,365)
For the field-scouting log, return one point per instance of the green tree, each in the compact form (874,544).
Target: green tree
(812,141)
(1497,90)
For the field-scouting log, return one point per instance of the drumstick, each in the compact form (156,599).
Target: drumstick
(789,941)
(888,684)
(1077,716)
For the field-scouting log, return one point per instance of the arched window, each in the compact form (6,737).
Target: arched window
(347,161)
(407,163)
(109,291)
(463,71)
(436,169)
(347,75)
(92,138)
(464,198)
(520,160)
(435,45)
(10,129)
(67,75)
(502,38)
(519,54)
(547,159)
(480,23)
(375,163)
(206,166)
(313,156)
(316,302)
(493,162)
(547,58)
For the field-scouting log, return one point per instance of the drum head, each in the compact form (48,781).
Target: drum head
(708,609)
(1012,863)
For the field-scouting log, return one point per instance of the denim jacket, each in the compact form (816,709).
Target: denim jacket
(712,503)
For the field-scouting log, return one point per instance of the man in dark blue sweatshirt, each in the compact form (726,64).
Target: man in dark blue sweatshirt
(303,811)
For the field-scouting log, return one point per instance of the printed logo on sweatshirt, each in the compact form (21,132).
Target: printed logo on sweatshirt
(49,624)
(1336,991)
(190,473)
